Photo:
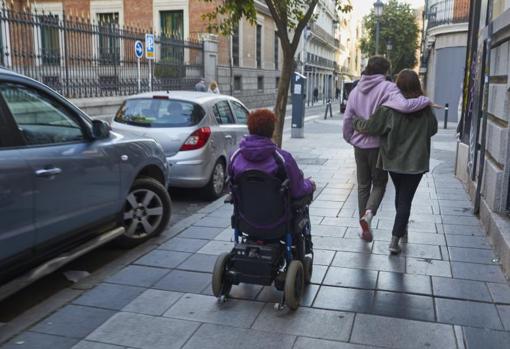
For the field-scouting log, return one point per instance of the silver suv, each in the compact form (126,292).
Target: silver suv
(68,184)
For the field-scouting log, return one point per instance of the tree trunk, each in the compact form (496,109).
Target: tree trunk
(283,94)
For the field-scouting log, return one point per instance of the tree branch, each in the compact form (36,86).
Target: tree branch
(281,24)
(302,24)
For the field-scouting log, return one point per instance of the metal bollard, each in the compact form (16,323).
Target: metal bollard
(446,116)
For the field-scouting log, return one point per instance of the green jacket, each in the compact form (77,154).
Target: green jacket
(405,138)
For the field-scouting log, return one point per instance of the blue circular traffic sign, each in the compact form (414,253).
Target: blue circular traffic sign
(138,49)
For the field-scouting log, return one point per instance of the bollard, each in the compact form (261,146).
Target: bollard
(328,108)
(446,116)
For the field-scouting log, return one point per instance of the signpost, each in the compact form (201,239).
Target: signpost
(149,54)
(139,55)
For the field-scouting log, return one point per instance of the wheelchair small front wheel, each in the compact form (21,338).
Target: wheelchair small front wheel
(220,286)
(308,268)
(294,284)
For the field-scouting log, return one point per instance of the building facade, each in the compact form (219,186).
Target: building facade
(444,52)
(483,152)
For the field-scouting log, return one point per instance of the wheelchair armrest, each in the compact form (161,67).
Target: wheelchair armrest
(302,201)
(229,199)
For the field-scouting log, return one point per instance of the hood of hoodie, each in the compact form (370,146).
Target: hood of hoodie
(256,148)
(368,82)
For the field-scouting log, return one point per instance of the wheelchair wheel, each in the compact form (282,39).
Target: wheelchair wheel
(294,284)
(220,286)
(308,269)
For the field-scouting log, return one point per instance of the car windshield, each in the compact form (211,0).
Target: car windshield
(159,112)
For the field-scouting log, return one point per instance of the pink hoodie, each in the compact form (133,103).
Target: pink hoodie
(372,92)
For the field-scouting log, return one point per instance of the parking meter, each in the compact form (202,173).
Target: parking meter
(298,105)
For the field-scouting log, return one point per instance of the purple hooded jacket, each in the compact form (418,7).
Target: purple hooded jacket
(372,92)
(257,153)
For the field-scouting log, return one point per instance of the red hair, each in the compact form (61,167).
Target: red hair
(261,122)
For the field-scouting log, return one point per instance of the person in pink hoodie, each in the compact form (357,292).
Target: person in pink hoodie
(371,92)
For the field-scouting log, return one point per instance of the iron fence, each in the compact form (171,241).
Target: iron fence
(81,57)
(443,12)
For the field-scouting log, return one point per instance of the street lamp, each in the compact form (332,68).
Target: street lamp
(389,47)
(378,10)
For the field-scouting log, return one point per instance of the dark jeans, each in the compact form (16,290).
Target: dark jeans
(405,188)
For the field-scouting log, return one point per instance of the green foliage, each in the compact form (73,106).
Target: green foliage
(398,24)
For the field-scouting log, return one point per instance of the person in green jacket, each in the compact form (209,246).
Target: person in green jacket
(404,150)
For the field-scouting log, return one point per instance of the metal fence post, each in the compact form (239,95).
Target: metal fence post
(446,116)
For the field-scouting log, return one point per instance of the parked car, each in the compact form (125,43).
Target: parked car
(68,184)
(197,130)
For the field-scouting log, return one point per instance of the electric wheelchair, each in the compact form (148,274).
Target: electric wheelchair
(272,238)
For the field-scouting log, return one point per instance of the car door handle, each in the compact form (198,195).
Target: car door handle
(48,172)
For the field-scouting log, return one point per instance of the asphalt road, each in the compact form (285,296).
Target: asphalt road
(184,203)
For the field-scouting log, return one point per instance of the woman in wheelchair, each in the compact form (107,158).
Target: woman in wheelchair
(270,221)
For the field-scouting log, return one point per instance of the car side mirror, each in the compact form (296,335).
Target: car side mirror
(100,129)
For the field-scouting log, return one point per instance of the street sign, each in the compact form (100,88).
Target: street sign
(149,46)
(138,49)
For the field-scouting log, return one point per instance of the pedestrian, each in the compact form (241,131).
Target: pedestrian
(315,95)
(201,86)
(370,93)
(405,149)
(213,88)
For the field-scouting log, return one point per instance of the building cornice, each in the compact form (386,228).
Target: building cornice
(448,29)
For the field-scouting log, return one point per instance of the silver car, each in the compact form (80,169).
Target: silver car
(197,130)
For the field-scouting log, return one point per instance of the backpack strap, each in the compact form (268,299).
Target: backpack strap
(281,172)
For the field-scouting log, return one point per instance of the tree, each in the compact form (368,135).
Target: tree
(398,24)
(290,17)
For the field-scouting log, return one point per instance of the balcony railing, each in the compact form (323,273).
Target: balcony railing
(444,12)
(313,59)
(323,34)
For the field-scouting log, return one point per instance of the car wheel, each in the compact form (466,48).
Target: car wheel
(146,212)
(214,189)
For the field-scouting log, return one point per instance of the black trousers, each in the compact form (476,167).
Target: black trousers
(405,188)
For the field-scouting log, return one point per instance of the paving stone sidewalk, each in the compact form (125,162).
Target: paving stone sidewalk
(446,290)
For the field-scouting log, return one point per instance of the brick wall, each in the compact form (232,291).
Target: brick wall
(77,7)
(138,13)
(461,10)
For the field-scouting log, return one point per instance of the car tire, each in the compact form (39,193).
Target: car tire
(216,185)
(146,212)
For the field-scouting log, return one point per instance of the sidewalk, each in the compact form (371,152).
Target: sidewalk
(445,290)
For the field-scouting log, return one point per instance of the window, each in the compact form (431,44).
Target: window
(235,46)
(238,86)
(109,43)
(260,83)
(259,46)
(223,113)
(50,42)
(172,28)
(240,112)
(40,119)
(276,52)
(155,112)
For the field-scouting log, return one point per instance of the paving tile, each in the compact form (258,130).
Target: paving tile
(461,289)
(467,313)
(95,345)
(386,224)
(500,292)
(309,322)
(183,245)
(476,338)
(444,253)
(327,230)
(457,211)
(109,296)
(325,204)
(466,220)
(345,277)
(340,244)
(455,229)
(324,212)
(378,235)
(341,222)
(408,283)
(504,315)
(199,262)
(144,331)
(403,305)
(369,261)
(331,197)
(73,321)
(410,250)
(184,281)
(223,337)
(226,235)
(236,313)
(196,232)
(319,271)
(32,340)
(244,291)
(163,259)
(455,203)
(401,333)
(270,294)
(468,241)
(430,267)
(136,275)
(213,222)
(426,239)
(481,272)
(308,343)
(347,299)
(472,255)
(322,257)
(216,248)
(153,302)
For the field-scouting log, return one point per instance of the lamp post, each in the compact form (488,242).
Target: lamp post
(378,10)
(389,47)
